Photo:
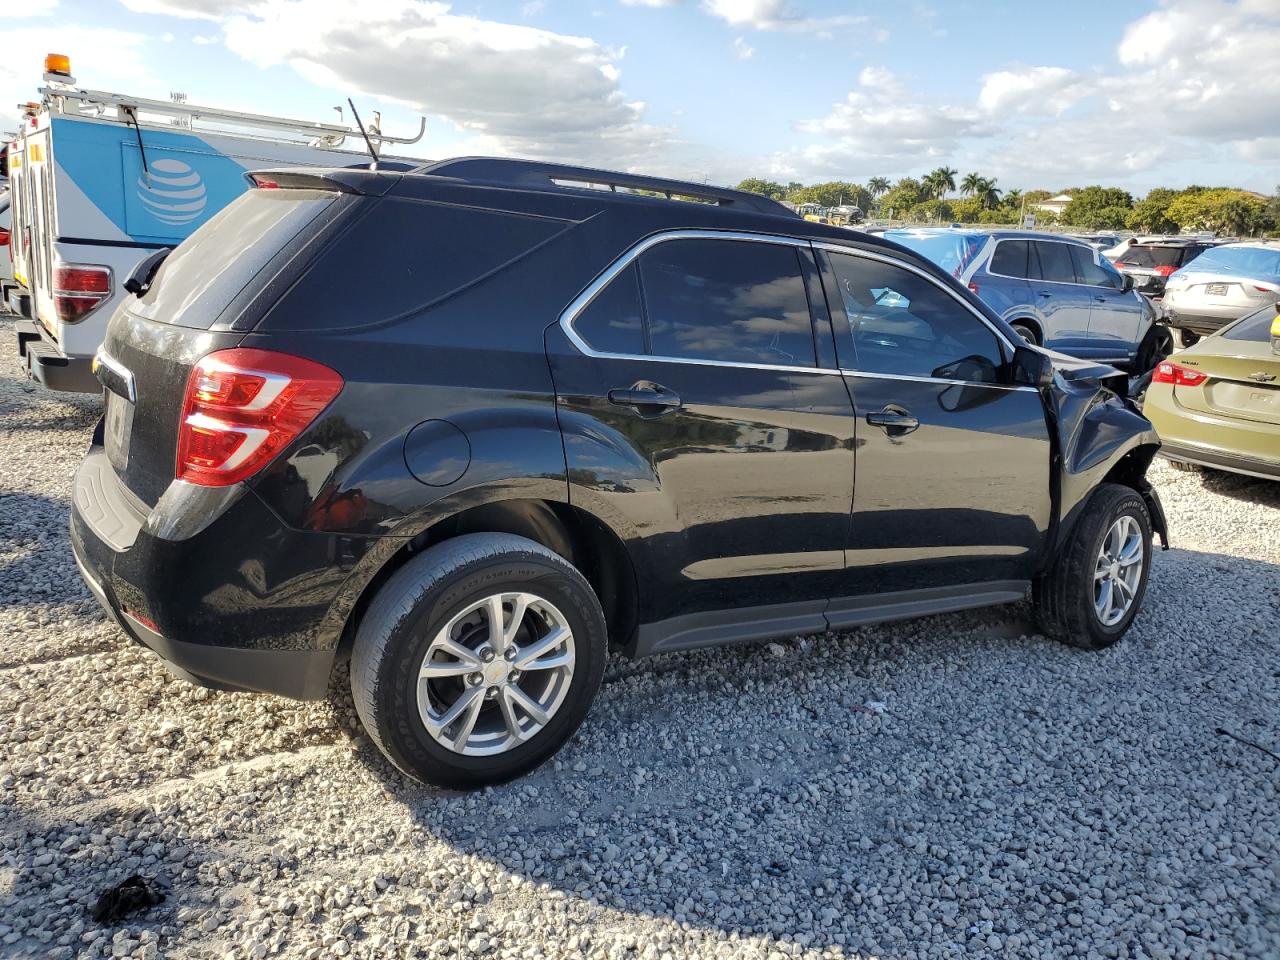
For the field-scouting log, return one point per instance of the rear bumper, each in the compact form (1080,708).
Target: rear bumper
(48,367)
(215,614)
(1220,460)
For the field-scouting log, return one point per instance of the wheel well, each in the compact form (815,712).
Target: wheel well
(1131,469)
(1031,325)
(572,533)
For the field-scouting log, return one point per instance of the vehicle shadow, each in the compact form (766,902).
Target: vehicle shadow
(1240,487)
(902,783)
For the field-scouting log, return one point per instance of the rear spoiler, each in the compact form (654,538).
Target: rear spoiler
(369,183)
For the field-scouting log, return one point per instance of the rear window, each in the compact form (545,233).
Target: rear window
(208,269)
(402,256)
(1145,256)
(951,251)
(1256,327)
(1012,259)
(1246,261)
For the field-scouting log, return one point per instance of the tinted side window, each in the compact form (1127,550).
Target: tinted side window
(728,300)
(1092,273)
(905,325)
(612,322)
(1012,258)
(1055,262)
(400,256)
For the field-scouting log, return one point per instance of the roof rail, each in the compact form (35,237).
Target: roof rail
(535,173)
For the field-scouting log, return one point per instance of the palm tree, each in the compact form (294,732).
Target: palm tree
(970,183)
(877,186)
(940,181)
(986,192)
(1013,198)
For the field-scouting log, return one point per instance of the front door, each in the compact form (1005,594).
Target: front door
(1114,313)
(698,422)
(1063,303)
(952,485)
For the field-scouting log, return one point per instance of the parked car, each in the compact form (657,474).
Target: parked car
(1054,291)
(1099,241)
(6,250)
(1217,404)
(562,419)
(1151,264)
(1222,285)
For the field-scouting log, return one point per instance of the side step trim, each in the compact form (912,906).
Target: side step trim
(742,625)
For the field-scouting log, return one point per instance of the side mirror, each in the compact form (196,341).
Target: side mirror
(1126,282)
(1031,368)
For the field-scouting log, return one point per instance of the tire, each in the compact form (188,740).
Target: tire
(1026,332)
(1155,347)
(401,634)
(1064,596)
(1188,338)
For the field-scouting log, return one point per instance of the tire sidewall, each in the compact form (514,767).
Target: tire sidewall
(403,734)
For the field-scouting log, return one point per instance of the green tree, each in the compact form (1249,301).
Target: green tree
(966,210)
(878,186)
(766,188)
(906,193)
(935,210)
(985,191)
(940,180)
(1222,210)
(831,194)
(1097,208)
(969,185)
(1036,196)
(1151,213)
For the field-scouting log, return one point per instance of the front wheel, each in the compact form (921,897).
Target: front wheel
(1025,332)
(477,660)
(1095,587)
(1155,347)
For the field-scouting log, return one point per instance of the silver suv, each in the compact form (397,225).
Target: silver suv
(1222,285)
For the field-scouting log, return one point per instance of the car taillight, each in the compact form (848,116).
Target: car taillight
(973,287)
(78,289)
(1165,270)
(1178,375)
(4,237)
(242,407)
(264,183)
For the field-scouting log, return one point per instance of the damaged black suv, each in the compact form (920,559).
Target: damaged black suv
(557,419)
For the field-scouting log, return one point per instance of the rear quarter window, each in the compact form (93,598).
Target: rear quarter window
(208,269)
(402,256)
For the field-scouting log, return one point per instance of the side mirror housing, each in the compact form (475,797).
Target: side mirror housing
(1031,368)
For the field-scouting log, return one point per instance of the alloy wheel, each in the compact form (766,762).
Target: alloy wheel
(495,674)
(1118,571)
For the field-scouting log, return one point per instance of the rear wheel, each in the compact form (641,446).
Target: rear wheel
(477,660)
(1094,589)
(1155,347)
(1188,338)
(1026,332)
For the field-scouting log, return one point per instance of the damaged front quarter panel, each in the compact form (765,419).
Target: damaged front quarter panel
(1100,436)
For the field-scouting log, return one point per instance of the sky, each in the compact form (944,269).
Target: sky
(1041,96)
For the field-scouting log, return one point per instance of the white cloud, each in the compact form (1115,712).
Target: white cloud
(188,9)
(1036,90)
(533,8)
(743,50)
(651,3)
(774,15)
(32,8)
(521,89)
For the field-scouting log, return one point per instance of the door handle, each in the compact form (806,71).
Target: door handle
(1045,293)
(1100,299)
(645,397)
(894,420)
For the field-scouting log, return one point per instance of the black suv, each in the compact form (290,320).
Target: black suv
(1150,264)
(556,418)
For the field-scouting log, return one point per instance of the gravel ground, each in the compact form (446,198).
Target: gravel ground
(951,786)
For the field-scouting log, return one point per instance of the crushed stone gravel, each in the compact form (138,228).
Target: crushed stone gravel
(954,786)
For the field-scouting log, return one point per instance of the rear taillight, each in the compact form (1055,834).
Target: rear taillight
(78,289)
(1164,271)
(1178,375)
(242,407)
(973,287)
(4,237)
(264,183)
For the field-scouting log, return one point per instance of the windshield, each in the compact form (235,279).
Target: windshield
(1245,261)
(950,251)
(1140,256)
(1256,327)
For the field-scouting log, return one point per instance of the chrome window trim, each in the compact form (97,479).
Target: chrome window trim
(582,300)
(949,382)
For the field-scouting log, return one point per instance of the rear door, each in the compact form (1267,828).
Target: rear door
(1064,303)
(696,414)
(952,490)
(1115,313)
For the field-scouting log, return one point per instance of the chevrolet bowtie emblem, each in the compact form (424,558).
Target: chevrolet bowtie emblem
(1262,377)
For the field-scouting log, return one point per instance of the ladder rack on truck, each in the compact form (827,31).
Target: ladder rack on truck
(101,180)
